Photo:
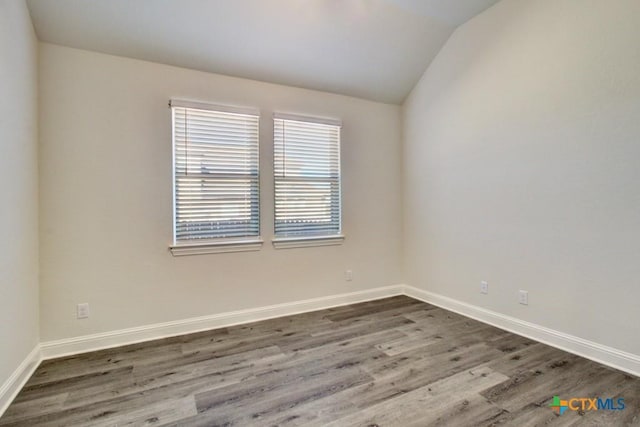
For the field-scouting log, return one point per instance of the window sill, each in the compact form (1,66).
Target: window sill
(216,247)
(306,241)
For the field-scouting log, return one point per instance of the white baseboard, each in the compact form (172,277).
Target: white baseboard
(18,379)
(83,344)
(605,355)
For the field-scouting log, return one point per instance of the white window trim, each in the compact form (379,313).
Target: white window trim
(306,241)
(184,103)
(286,242)
(216,247)
(299,118)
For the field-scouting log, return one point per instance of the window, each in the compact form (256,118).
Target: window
(216,181)
(307,181)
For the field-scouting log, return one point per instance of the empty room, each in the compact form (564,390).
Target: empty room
(377,213)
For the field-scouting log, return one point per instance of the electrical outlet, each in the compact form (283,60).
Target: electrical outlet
(82,310)
(484,287)
(523,297)
(348,275)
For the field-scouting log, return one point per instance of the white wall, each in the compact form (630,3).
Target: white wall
(521,167)
(106,198)
(18,187)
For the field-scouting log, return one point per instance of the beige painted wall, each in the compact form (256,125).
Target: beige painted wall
(106,198)
(18,187)
(521,167)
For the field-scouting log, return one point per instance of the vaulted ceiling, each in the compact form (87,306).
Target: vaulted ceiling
(372,49)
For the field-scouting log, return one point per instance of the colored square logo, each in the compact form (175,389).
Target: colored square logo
(559,406)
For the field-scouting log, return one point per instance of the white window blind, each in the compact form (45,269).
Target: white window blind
(216,183)
(307,177)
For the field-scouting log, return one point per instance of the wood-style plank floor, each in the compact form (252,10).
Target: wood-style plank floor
(391,362)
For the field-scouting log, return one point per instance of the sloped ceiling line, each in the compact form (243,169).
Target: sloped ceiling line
(371,49)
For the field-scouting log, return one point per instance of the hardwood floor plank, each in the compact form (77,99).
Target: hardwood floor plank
(533,358)
(565,377)
(324,409)
(297,372)
(157,413)
(381,308)
(35,391)
(472,411)
(251,409)
(532,415)
(509,343)
(425,369)
(421,334)
(25,409)
(404,344)
(342,334)
(424,405)
(214,373)
(434,316)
